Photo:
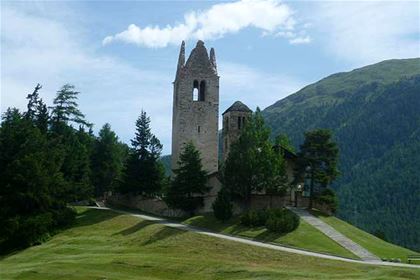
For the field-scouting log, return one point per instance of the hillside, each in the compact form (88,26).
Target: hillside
(108,245)
(307,237)
(374,113)
(304,237)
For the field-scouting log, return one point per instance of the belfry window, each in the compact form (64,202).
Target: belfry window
(202,91)
(195,90)
(239,122)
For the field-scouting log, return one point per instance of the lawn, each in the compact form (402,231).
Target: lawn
(372,243)
(304,237)
(108,245)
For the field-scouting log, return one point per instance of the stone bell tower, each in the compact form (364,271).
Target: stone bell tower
(234,119)
(196,106)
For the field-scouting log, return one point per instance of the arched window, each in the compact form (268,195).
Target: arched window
(202,91)
(195,91)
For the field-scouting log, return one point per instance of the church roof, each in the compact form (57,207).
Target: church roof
(238,106)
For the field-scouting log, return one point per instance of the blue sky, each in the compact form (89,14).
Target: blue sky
(122,56)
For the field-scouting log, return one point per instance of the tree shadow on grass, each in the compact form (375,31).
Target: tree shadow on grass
(130,230)
(163,233)
(268,236)
(85,218)
(93,216)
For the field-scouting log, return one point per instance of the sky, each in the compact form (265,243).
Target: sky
(122,56)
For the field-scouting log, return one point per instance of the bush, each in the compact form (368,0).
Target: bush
(254,218)
(24,231)
(328,198)
(64,217)
(282,221)
(222,206)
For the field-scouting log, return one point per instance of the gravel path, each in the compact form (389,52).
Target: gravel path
(252,242)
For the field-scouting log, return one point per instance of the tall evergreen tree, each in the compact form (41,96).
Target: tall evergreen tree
(77,144)
(107,160)
(42,118)
(252,164)
(30,183)
(33,101)
(144,172)
(318,157)
(189,183)
(37,111)
(66,109)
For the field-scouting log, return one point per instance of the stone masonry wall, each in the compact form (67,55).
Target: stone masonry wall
(196,121)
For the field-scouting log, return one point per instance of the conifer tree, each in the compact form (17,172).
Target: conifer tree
(252,164)
(144,172)
(42,118)
(107,160)
(33,102)
(189,183)
(318,157)
(76,144)
(65,107)
(30,183)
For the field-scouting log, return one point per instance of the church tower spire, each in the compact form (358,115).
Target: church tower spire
(196,106)
(181,58)
(213,59)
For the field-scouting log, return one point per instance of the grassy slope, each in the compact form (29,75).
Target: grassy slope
(375,245)
(304,237)
(106,245)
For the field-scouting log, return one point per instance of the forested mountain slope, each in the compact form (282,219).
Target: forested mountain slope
(374,113)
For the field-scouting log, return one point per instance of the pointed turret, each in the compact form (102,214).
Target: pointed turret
(199,59)
(213,59)
(181,58)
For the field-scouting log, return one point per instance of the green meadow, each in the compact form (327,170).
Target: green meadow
(108,245)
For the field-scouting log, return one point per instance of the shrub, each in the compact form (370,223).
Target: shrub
(222,206)
(282,221)
(254,218)
(64,217)
(24,231)
(328,198)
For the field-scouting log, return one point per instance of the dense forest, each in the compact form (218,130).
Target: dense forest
(50,159)
(374,113)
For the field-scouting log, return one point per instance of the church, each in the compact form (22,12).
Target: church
(196,119)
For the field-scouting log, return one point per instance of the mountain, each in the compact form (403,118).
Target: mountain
(166,161)
(374,113)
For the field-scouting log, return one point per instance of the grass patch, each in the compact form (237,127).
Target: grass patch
(305,236)
(372,243)
(107,245)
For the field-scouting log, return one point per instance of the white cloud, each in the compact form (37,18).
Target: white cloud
(300,40)
(268,15)
(367,32)
(40,49)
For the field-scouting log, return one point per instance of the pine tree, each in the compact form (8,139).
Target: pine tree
(252,164)
(222,206)
(30,183)
(107,160)
(318,157)
(42,117)
(189,183)
(33,101)
(66,109)
(144,172)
